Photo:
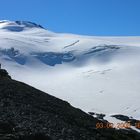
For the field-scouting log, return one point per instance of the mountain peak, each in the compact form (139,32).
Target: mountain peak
(18,25)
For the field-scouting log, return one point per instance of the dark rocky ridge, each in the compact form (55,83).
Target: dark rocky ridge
(29,114)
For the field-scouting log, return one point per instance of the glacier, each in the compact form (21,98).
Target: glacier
(94,73)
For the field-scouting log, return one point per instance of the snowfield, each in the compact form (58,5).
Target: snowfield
(95,74)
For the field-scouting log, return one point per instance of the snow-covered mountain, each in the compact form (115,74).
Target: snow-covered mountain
(96,74)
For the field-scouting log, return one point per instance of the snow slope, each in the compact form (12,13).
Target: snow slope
(96,74)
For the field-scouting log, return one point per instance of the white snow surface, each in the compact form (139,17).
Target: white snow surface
(95,74)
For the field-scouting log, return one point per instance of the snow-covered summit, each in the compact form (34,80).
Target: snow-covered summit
(18,25)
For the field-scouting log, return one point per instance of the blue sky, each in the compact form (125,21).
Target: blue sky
(87,17)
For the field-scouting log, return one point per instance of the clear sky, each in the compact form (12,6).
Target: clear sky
(87,17)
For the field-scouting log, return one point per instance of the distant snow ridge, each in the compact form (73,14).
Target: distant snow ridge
(18,26)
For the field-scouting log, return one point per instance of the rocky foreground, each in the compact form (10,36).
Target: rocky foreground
(29,114)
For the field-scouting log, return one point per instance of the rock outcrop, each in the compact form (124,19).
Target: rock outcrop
(4,74)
